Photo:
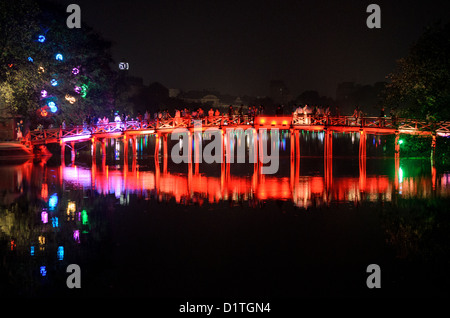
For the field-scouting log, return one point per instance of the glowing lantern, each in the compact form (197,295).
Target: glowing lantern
(59,57)
(30,59)
(70,99)
(75,70)
(44,113)
(41,38)
(84,89)
(53,107)
(54,82)
(44,93)
(77,89)
(41,69)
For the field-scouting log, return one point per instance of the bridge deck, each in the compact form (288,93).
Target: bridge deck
(370,125)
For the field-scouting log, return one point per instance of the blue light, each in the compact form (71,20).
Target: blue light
(32,250)
(41,38)
(53,107)
(30,59)
(43,271)
(55,221)
(54,82)
(59,57)
(53,201)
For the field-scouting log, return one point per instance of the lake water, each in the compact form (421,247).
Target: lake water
(153,228)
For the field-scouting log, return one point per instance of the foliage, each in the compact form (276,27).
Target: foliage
(420,86)
(85,63)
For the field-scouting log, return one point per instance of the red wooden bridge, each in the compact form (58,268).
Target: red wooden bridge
(294,123)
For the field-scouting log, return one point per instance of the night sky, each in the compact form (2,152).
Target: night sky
(237,47)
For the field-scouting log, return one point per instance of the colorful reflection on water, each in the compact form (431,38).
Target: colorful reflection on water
(55,215)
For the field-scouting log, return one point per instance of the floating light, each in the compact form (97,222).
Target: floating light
(75,70)
(59,57)
(44,93)
(77,89)
(30,59)
(44,113)
(54,82)
(41,69)
(41,38)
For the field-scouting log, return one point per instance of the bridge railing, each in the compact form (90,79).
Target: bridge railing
(43,135)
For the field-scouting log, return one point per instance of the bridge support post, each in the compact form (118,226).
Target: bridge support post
(165,153)
(72,152)
(103,146)
(328,144)
(63,150)
(156,146)
(328,162)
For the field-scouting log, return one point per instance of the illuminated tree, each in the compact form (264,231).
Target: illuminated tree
(46,67)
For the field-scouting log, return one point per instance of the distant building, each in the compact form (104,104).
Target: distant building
(174,92)
(212,100)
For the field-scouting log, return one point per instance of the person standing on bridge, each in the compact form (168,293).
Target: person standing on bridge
(356,114)
(117,120)
(230,112)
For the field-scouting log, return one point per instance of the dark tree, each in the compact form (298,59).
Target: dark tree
(420,86)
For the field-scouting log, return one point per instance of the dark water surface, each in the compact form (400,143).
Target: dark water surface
(156,229)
